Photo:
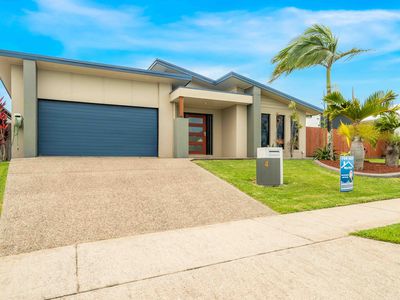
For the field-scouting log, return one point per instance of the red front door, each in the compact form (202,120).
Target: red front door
(197,133)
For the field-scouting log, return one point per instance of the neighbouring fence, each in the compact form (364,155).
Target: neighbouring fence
(316,138)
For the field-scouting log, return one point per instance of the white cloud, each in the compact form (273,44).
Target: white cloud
(214,43)
(211,71)
(81,25)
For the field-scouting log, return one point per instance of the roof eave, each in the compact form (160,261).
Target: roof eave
(269,89)
(28,56)
(229,75)
(181,70)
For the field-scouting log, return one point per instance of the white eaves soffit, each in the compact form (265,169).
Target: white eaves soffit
(208,97)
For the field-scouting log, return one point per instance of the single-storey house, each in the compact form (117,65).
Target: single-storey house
(79,108)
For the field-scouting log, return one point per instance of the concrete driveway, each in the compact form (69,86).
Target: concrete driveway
(57,201)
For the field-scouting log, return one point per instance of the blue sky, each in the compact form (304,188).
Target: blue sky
(212,37)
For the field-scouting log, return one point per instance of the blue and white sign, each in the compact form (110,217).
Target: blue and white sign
(346,173)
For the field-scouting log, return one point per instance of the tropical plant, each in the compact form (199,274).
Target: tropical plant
(3,130)
(366,131)
(317,46)
(376,104)
(295,127)
(323,153)
(386,125)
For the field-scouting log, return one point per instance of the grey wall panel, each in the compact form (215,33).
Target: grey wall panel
(30,108)
(82,129)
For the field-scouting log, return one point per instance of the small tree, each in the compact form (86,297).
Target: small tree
(295,126)
(387,124)
(3,130)
(357,111)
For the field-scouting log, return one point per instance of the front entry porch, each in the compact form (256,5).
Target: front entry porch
(215,123)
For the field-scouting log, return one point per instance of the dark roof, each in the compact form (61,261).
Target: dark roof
(181,70)
(86,64)
(233,75)
(183,74)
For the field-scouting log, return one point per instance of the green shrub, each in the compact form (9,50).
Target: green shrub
(323,154)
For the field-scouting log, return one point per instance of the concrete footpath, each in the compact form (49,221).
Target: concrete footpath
(301,255)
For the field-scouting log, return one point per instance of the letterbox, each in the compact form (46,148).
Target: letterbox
(270,166)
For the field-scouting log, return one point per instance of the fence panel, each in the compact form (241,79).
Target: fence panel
(316,138)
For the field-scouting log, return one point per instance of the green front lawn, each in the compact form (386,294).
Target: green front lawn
(389,233)
(3,177)
(306,186)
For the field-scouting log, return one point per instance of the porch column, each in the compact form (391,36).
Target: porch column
(181,108)
(254,122)
(181,132)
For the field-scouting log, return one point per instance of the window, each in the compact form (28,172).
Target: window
(265,130)
(294,134)
(280,131)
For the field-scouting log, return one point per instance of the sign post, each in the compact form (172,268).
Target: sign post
(346,173)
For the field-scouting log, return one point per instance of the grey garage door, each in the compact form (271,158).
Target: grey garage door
(82,129)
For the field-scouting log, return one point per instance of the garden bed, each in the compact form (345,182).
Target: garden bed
(369,167)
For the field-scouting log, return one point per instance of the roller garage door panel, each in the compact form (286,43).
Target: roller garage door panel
(82,129)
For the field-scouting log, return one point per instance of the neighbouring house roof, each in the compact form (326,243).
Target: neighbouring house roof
(373,118)
(230,75)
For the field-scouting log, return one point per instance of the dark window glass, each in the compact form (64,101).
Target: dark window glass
(195,148)
(294,132)
(195,129)
(194,120)
(280,131)
(195,138)
(265,130)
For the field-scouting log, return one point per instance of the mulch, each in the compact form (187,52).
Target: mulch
(369,167)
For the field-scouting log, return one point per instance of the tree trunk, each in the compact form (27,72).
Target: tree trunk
(392,155)
(3,151)
(328,80)
(357,150)
(329,123)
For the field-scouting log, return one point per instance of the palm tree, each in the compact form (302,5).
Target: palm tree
(376,104)
(386,125)
(316,46)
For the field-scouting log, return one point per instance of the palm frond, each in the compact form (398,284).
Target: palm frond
(376,104)
(336,103)
(347,131)
(366,131)
(395,140)
(315,46)
(350,53)
(388,122)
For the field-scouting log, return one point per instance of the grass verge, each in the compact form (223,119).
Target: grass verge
(390,233)
(3,178)
(307,186)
